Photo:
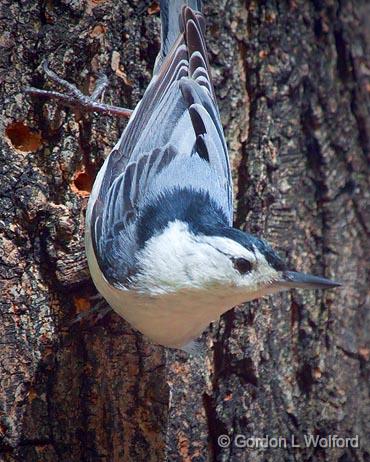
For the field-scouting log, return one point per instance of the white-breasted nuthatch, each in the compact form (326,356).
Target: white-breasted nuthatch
(159,238)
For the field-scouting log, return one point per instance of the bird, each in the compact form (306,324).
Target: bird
(159,235)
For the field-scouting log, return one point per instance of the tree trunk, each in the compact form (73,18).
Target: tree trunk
(293,85)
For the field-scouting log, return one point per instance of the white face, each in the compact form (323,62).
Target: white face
(177,259)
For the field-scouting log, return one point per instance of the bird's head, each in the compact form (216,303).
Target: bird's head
(180,258)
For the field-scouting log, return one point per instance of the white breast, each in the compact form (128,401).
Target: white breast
(171,320)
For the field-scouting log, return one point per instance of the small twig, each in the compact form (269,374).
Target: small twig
(73,97)
(83,102)
(100,86)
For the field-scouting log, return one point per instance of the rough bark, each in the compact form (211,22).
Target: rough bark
(293,84)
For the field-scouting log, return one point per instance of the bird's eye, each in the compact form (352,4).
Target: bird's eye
(242,265)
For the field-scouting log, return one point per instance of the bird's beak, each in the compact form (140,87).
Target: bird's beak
(292,279)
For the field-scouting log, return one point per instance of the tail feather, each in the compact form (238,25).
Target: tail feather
(197,49)
(171,24)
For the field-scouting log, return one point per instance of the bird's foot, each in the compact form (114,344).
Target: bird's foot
(94,314)
(72,96)
(193,348)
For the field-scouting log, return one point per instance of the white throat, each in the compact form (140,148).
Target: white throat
(178,259)
(170,305)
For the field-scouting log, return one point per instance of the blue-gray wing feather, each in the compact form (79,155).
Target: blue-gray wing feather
(175,129)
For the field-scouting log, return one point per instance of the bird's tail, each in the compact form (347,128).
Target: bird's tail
(170,19)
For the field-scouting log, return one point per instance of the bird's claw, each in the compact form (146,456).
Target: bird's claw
(93,315)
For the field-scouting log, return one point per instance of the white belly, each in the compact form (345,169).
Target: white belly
(171,320)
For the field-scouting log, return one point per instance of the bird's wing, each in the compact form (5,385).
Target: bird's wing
(178,116)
